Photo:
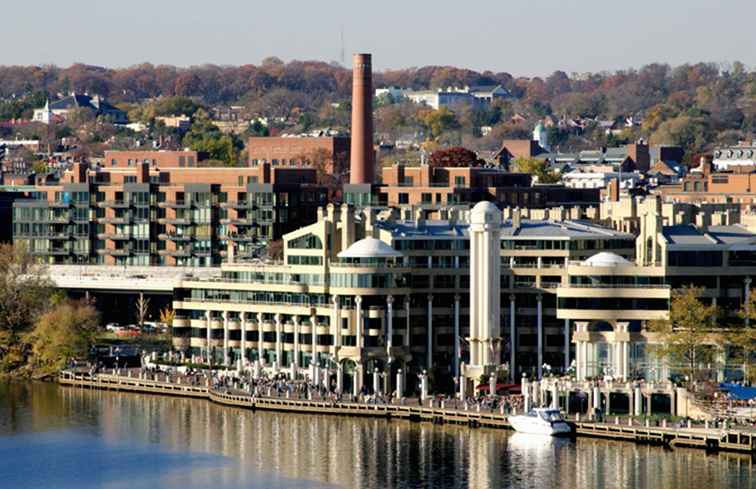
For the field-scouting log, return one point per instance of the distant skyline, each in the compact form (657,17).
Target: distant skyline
(522,38)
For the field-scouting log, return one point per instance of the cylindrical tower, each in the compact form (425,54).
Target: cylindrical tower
(362,165)
(485,289)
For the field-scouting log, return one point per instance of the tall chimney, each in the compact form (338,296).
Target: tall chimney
(361,166)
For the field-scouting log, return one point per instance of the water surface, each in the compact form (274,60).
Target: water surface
(61,437)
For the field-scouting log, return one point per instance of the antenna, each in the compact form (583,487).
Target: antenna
(342,44)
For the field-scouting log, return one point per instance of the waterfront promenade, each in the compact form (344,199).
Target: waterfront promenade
(629,429)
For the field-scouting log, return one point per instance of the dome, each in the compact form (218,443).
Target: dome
(606,259)
(369,248)
(485,212)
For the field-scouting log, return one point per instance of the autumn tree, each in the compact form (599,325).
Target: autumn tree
(454,157)
(538,168)
(742,336)
(438,121)
(64,332)
(686,337)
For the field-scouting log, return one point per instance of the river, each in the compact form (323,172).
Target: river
(56,437)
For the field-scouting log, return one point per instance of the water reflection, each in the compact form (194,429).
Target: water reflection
(197,444)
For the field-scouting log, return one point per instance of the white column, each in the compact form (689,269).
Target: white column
(336,324)
(209,348)
(429,363)
(376,382)
(512,340)
(566,344)
(579,361)
(279,341)
(457,352)
(359,325)
(540,335)
(399,383)
(313,339)
(260,356)
(407,310)
(424,385)
(243,318)
(296,346)
(389,326)
(339,378)
(225,338)
(625,360)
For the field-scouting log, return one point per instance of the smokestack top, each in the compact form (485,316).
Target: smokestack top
(362,152)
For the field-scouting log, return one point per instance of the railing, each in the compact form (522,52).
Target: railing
(616,286)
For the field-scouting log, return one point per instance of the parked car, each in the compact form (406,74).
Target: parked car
(113,327)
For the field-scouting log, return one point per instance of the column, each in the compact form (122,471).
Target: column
(339,378)
(260,353)
(512,340)
(407,306)
(295,367)
(243,318)
(313,339)
(336,325)
(457,352)
(225,338)
(359,325)
(376,382)
(429,362)
(424,385)
(209,336)
(579,361)
(389,326)
(566,345)
(540,335)
(279,342)
(399,383)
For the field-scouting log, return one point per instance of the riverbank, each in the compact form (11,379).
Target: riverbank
(629,429)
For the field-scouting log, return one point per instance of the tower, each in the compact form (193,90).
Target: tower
(485,289)
(362,153)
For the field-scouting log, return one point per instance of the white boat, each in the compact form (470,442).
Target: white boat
(540,421)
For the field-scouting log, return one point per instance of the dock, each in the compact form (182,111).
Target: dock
(736,440)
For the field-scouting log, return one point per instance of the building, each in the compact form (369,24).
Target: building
(434,188)
(358,291)
(95,104)
(452,96)
(705,185)
(181,122)
(630,157)
(741,155)
(293,151)
(155,159)
(154,212)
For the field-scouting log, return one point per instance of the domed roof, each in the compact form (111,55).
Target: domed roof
(369,248)
(485,212)
(606,259)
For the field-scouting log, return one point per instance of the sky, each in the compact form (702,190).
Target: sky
(524,38)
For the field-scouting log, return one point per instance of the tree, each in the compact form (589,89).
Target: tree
(539,169)
(64,332)
(205,137)
(142,309)
(454,157)
(438,121)
(743,335)
(686,336)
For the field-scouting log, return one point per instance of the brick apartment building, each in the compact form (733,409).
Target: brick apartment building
(298,151)
(151,214)
(737,185)
(437,187)
(169,159)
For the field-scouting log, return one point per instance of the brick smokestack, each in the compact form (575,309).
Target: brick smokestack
(362,166)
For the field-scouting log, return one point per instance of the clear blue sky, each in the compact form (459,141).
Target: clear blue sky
(529,37)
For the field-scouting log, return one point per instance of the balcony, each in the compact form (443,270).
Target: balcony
(113,220)
(237,222)
(202,252)
(234,205)
(242,238)
(114,236)
(180,253)
(176,237)
(52,251)
(114,204)
(175,204)
(175,220)
(58,220)
(114,252)
(58,205)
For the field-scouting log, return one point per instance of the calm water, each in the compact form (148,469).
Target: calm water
(53,437)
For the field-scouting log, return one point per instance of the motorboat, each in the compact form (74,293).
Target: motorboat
(540,421)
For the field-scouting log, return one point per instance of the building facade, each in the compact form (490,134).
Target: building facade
(302,152)
(149,214)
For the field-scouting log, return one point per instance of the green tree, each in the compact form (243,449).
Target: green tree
(686,336)
(438,121)
(66,331)
(743,335)
(538,168)
(205,137)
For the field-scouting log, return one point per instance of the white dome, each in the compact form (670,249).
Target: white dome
(485,212)
(369,248)
(606,259)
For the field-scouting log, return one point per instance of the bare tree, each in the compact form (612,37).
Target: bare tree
(142,308)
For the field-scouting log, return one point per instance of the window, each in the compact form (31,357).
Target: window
(426,198)
(182,161)
(404,198)
(306,242)
(459,181)
(719,179)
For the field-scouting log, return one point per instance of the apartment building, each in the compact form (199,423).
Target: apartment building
(332,152)
(157,212)
(359,290)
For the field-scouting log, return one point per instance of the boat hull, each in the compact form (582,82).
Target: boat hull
(536,426)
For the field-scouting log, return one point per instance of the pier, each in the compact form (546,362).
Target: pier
(623,429)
